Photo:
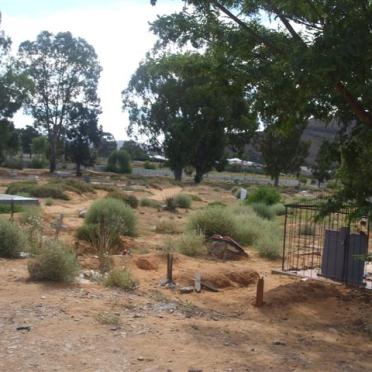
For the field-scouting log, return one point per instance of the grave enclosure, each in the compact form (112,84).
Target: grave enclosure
(334,247)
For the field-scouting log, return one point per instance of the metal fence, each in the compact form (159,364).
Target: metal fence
(334,247)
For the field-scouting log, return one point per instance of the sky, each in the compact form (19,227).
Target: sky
(117,29)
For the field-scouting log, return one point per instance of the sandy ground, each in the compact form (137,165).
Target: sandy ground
(304,325)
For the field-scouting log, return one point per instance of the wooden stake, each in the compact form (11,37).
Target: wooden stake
(260,292)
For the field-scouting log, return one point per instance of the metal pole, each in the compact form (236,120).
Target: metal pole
(284,237)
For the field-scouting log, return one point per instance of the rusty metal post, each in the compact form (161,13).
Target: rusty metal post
(260,292)
(170,268)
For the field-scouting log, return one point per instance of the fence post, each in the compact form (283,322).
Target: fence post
(285,235)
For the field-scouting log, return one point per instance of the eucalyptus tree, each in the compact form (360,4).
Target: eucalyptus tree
(323,47)
(282,149)
(65,71)
(193,104)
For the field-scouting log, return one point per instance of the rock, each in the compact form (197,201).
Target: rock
(186,290)
(278,342)
(82,213)
(141,358)
(144,263)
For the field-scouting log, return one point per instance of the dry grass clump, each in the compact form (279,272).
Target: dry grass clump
(167,227)
(191,244)
(242,224)
(183,201)
(12,239)
(56,262)
(150,203)
(129,199)
(120,278)
(52,190)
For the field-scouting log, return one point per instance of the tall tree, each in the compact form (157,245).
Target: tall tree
(14,87)
(325,162)
(83,137)
(107,144)
(65,72)
(193,104)
(27,134)
(282,150)
(323,46)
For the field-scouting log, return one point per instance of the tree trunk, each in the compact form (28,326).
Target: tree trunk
(78,169)
(177,174)
(198,176)
(53,156)
(276,181)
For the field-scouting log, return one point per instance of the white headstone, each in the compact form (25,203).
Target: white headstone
(243,194)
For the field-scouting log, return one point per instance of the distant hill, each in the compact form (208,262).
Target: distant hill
(316,132)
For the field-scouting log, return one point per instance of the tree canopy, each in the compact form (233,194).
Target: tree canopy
(193,104)
(65,72)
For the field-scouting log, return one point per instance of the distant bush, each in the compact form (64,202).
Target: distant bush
(148,165)
(49,202)
(52,190)
(150,203)
(216,204)
(78,186)
(13,164)
(114,213)
(55,262)
(263,210)
(269,245)
(264,194)
(129,199)
(183,201)
(119,162)
(38,163)
(12,239)
(166,227)
(191,244)
(120,278)
(213,220)
(278,209)
(7,208)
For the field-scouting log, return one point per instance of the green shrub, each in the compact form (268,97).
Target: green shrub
(56,262)
(129,199)
(166,227)
(52,190)
(119,162)
(191,244)
(49,202)
(263,210)
(183,201)
(269,245)
(148,165)
(7,208)
(150,203)
(120,278)
(278,209)
(38,163)
(264,194)
(12,239)
(113,213)
(249,228)
(213,220)
(13,164)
